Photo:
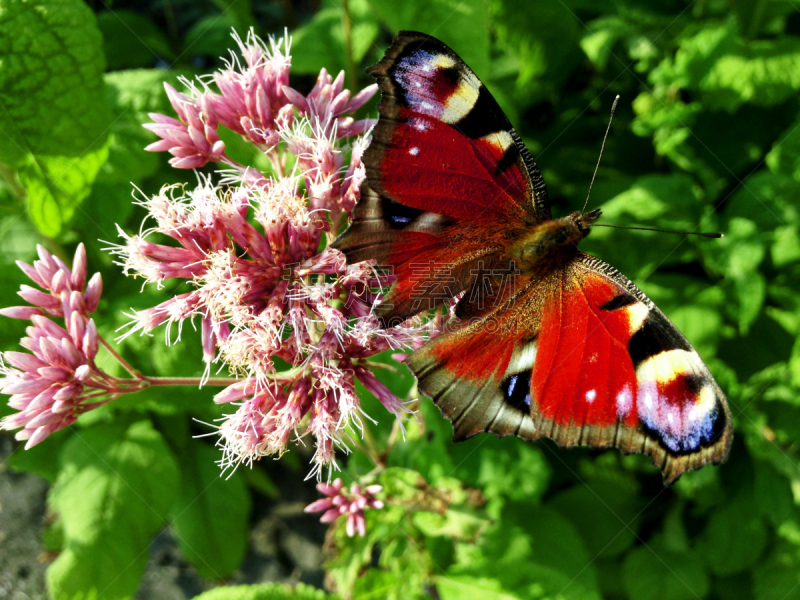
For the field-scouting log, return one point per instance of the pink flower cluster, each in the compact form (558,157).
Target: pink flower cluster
(261,285)
(257,103)
(337,504)
(51,384)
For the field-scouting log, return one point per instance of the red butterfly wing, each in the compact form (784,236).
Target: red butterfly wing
(585,358)
(444,165)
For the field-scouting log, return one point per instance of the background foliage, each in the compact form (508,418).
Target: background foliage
(707,137)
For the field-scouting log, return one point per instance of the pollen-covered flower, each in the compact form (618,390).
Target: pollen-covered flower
(56,380)
(261,280)
(339,503)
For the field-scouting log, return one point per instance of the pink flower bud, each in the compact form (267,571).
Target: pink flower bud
(20,312)
(93,292)
(32,273)
(79,268)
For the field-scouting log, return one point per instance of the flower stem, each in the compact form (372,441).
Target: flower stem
(347,25)
(10,177)
(119,358)
(217,381)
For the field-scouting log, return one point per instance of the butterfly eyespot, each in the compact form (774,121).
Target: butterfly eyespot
(517,390)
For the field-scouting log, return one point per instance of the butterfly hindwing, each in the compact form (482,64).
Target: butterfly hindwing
(590,361)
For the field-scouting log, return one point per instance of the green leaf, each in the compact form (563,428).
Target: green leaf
(542,39)
(131,41)
(654,573)
(503,470)
(729,71)
(460,25)
(210,515)
(240,12)
(211,36)
(131,94)
(734,537)
(50,81)
(322,42)
(456,587)
(112,495)
(56,186)
(106,571)
(39,459)
(535,552)
(778,577)
(652,201)
(773,494)
(606,515)
(265,591)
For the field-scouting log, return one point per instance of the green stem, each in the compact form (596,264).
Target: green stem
(347,25)
(119,358)
(217,381)
(9,175)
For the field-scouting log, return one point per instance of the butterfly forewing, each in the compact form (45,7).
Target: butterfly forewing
(443,165)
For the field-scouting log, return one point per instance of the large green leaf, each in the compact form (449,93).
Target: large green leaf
(50,80)
(455,587)
(56,187)
(114,490)
(606,514)
(734,537)
(52,112)
(210,515)
(265,591)
(654,573)
(535,553)
(778,577)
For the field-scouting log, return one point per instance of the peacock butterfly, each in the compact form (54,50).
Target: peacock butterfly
(550,342)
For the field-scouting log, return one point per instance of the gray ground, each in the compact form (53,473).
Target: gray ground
(285,543)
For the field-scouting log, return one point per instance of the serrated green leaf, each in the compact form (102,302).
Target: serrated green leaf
(112,495)
(265,591)
(50,81)
(503,470)
(107,571)
(131,94)
(210,515)
(535,552)
(455,587)
(728,71)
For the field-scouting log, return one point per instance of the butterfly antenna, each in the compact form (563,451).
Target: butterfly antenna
(700,233)
(602,147)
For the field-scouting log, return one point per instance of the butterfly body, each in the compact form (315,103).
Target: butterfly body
(547,341)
